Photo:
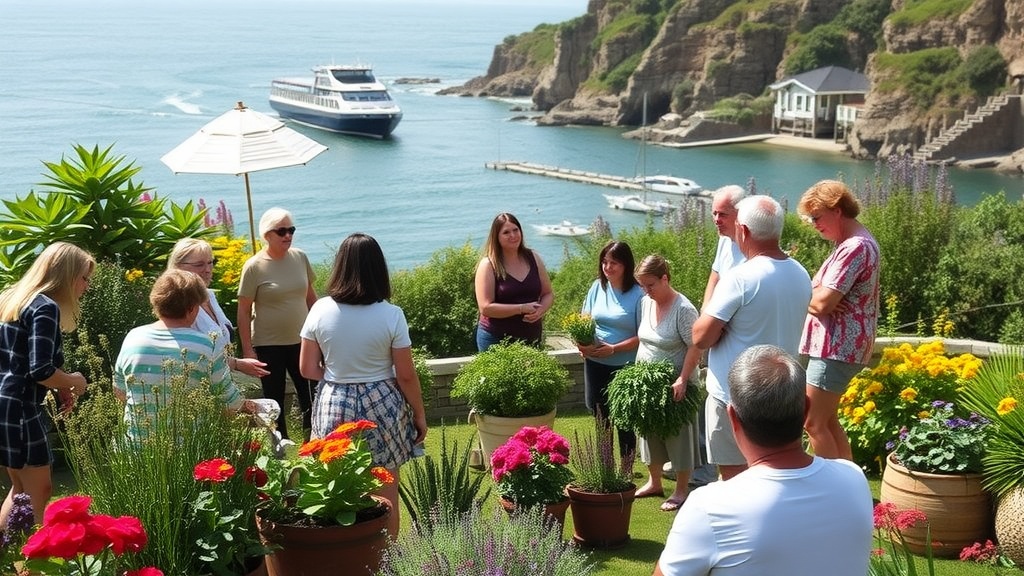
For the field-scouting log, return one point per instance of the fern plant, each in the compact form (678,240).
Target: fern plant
(640,398)
(444,489)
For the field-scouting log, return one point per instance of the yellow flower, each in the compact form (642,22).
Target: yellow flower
(924,414)
(872,389)
(1006,405)
(869,407)
(858,413)
(132,274)
(908,394)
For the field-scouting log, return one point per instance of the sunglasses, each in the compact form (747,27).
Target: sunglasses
(282,231)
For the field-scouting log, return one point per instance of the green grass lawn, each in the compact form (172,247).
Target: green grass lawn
(649,526)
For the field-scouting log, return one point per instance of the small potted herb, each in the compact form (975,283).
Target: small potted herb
(580,327)
(602,490)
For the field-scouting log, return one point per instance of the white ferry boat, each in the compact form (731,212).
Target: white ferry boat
(345,99)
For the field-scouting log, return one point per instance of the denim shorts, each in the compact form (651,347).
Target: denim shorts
(831,375)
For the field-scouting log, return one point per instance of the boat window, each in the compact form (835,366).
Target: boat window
(353,76)
(368,96)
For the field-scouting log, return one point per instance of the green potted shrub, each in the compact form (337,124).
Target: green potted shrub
(640,399)
(508,386)
(602,490)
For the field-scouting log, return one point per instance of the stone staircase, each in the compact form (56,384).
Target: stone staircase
(967,135)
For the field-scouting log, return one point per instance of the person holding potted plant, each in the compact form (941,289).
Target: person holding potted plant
(613,302)
(842,317)
(357,345)
(666,333)
(513,291)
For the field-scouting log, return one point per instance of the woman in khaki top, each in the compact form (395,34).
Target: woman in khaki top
(274,295)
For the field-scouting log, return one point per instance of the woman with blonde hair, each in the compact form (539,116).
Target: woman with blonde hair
(513,291)
(842,317)
(274,296)
(196,255)
(666,333)
(33,313)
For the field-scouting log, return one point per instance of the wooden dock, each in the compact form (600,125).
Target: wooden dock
(607,180)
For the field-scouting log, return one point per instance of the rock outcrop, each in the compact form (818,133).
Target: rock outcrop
(607,61)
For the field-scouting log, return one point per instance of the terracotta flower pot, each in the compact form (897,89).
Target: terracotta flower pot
(555,511)
(601,520)
(326,551)
(958,510)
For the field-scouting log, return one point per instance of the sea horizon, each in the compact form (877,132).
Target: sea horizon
(143,78)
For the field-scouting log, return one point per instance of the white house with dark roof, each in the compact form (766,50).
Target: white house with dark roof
(819,102)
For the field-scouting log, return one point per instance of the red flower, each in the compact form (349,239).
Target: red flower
(256,476)
(55,541)
(147,571)
(125,534)
(68,509)
(214,470)
(252,446)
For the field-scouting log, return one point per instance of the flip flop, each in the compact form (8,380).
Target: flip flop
(671,505)
(650,494)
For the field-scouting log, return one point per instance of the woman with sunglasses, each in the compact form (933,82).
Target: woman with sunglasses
(196,255)
(274,296)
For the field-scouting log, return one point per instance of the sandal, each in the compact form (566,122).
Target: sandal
(671,505)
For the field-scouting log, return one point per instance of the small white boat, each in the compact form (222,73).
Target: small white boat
(566,228)
(634,203)
(670,185)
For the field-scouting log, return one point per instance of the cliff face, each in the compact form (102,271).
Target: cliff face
(890,122)
(701,51)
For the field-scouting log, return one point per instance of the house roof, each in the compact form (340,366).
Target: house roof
(827,80)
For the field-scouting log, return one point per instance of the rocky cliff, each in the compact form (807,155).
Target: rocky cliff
(688,56)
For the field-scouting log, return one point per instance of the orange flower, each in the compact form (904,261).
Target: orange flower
(383,475)
(349,427)
(335,448)
(311,447)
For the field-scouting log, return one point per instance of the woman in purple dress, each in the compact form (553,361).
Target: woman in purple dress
(513,291)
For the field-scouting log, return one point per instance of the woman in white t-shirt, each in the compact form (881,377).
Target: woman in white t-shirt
(356,344)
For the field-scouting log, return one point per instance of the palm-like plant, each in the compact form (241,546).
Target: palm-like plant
(994,394)
(92,201)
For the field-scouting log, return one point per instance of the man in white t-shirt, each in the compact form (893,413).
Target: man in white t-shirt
(789,513)
(763,300)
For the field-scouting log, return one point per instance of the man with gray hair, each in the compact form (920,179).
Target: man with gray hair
(760,301)
(789,513)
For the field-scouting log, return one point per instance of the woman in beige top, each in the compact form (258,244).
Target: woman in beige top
(274,295)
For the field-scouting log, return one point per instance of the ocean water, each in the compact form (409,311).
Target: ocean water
(145,76)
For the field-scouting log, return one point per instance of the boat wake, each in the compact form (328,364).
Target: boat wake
(181,104)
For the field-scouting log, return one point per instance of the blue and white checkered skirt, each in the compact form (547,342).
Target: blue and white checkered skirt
(391,443)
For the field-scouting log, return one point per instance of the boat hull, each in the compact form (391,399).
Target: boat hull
(376,125)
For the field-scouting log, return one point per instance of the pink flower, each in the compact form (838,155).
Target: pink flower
(68,509)
(125,534)
(147,571)
(908,518)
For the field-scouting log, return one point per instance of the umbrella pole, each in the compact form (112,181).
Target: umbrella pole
(252,227)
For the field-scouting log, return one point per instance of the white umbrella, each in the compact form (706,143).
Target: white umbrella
(239,142)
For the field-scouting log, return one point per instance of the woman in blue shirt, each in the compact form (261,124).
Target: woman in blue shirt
(614,303)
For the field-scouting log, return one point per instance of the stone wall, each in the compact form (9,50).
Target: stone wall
(443,406)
